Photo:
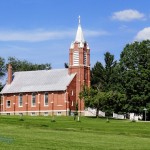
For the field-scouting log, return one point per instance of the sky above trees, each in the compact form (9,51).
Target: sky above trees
(41,31)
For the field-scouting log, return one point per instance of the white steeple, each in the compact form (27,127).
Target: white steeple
(79,35)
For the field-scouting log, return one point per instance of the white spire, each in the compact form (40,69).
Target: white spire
(79,35)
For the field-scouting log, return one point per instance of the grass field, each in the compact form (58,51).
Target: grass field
(39,133)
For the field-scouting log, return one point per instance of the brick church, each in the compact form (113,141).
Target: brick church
(49,92)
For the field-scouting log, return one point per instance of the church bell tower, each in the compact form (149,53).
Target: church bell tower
(79,63)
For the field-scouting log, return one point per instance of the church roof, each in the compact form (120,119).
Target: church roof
(42,80)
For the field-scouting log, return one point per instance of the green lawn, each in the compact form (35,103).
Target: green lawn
(39,133)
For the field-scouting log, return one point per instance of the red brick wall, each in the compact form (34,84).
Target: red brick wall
(83,71)
(56,102)
(71,90)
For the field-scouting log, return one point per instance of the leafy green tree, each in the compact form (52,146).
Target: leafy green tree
(97,76)
(114,102)
(135,74)
(108,102)
(2,71)
(23,65)
(108,93)
(110,65)
(91,98)
(102,77)
(2,67)
(1,86)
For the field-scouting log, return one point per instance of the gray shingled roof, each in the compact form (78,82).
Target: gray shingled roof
(42,80)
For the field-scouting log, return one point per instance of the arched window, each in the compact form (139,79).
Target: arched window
(72,92)
(46,99)
(85,58)
(8,104)
(33,101)
(20,100)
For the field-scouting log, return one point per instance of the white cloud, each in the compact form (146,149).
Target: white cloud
(128,15)
(144,34)
(92,33)
(43,35)
(32,36)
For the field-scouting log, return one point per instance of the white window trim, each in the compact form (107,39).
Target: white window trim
(72,103)
(7,103)
(44,100)
(19,100)
(72,93)
(76,58)
(85,58)
(32,101)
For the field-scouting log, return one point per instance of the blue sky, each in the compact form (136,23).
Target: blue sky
(41,31)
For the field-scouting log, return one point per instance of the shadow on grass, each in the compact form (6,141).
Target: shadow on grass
(44,125)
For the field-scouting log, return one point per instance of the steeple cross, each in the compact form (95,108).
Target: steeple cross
(79,19)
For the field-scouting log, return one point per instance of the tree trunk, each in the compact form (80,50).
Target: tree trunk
(97,112)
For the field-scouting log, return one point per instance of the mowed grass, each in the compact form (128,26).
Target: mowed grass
(39,133)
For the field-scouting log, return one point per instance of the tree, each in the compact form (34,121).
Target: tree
(135,74)
(23,65)
(2,67)
(91,98)
(97,76)
(109,102)
(110,65)
(2,70)
(102,77)
(108,95)
(114,102)
(1,86)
